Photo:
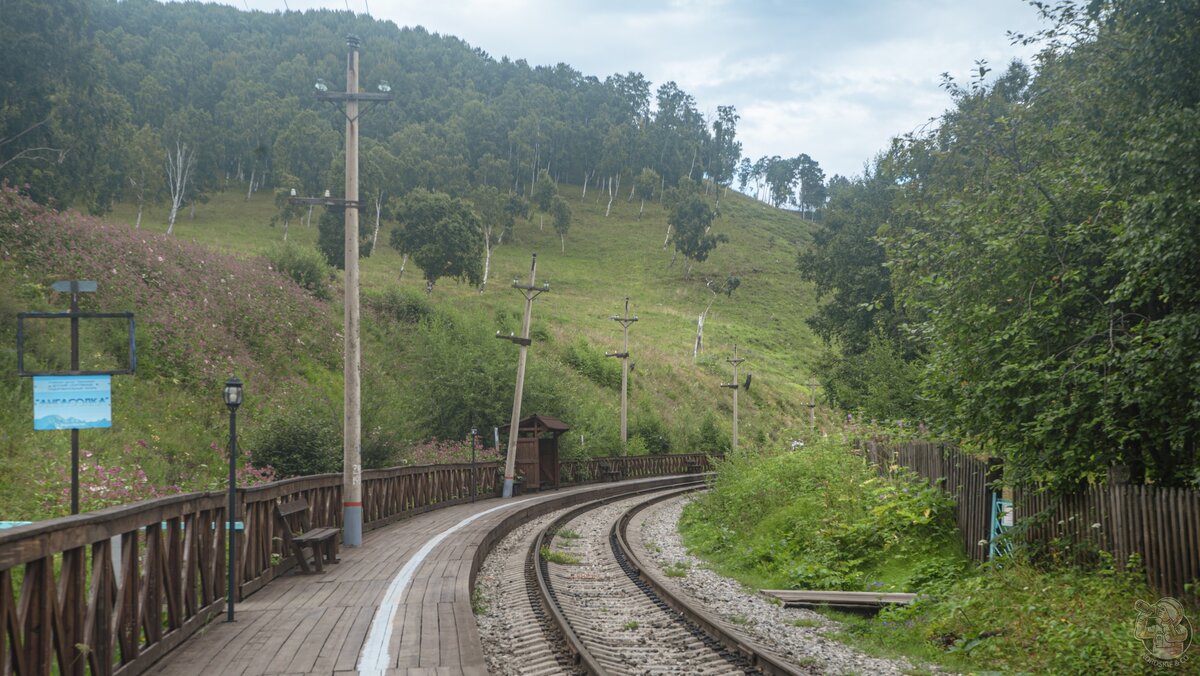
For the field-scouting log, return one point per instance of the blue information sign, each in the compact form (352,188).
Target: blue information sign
(72,402)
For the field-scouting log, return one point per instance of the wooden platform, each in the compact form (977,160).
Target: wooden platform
(320,624)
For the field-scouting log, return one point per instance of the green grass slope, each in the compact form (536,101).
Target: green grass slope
(606,259)
(164,414)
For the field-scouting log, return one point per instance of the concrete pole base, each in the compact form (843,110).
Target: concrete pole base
(352,526)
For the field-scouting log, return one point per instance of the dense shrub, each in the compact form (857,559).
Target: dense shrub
(651,432)
(820,518)
(305,265)
(709,438)
(398,304)
(1019,618)
(592,364)
(298,439)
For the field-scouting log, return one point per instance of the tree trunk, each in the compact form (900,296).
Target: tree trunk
(562,240)
(642,209)
(610,197)
(667,240)
(138,223)
(586,176)
(541,222)
(402,264)
(250,189)
(285,228)
(487,257)
(179,168)
(699,337)
(632,189)
(378,209)
(308,223)
(192,210)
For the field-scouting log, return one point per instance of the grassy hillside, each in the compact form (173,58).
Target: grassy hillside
(605,260)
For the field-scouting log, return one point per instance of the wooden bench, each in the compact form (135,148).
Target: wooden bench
(610,473)
(297,537)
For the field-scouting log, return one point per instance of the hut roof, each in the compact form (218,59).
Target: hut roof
(545,421)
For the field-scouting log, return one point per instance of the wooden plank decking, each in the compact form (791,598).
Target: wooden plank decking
(318,624)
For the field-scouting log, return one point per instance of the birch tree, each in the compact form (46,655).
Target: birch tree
(179,164)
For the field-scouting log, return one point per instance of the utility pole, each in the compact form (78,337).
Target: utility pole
(623,355)
(530,292)
(735,360)
(812,406)
(352,500)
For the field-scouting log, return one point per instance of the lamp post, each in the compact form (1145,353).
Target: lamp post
(233,399)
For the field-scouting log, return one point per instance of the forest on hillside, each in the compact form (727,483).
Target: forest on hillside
(94,94)
(1024,273)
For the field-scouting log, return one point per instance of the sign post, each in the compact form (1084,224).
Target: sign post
(73,399)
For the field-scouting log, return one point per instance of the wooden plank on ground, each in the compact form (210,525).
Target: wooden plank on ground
(314,642)
(839,598)
(447,634)
(431,636)
(347,657)
(408,653)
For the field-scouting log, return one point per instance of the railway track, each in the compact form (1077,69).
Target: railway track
(589,607)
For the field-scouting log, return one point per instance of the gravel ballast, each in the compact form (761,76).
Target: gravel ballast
(773,626)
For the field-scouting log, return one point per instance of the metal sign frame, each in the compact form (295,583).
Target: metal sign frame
(22,316)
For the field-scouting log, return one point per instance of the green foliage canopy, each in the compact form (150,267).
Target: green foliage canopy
(443,235)
(691,219)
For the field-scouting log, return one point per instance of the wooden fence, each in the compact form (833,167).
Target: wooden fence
(960,475)
(111,591)
(1159,525)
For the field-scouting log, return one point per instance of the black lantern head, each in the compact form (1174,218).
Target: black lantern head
(233,393)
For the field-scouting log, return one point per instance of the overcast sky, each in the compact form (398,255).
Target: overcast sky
(834,79)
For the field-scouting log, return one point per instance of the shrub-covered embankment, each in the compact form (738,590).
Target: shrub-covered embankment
(821,518)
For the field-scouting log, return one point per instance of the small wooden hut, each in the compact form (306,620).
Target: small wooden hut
(537,450)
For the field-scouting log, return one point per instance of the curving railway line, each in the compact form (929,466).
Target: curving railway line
(589,604)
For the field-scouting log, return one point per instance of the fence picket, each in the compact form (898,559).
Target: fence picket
(1160,525)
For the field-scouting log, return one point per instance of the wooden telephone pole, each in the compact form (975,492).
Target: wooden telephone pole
(530,292)
(735,360)
(623,355)
(352,501)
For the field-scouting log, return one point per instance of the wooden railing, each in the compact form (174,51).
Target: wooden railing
(400,492)
(113,590)
(632,467)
